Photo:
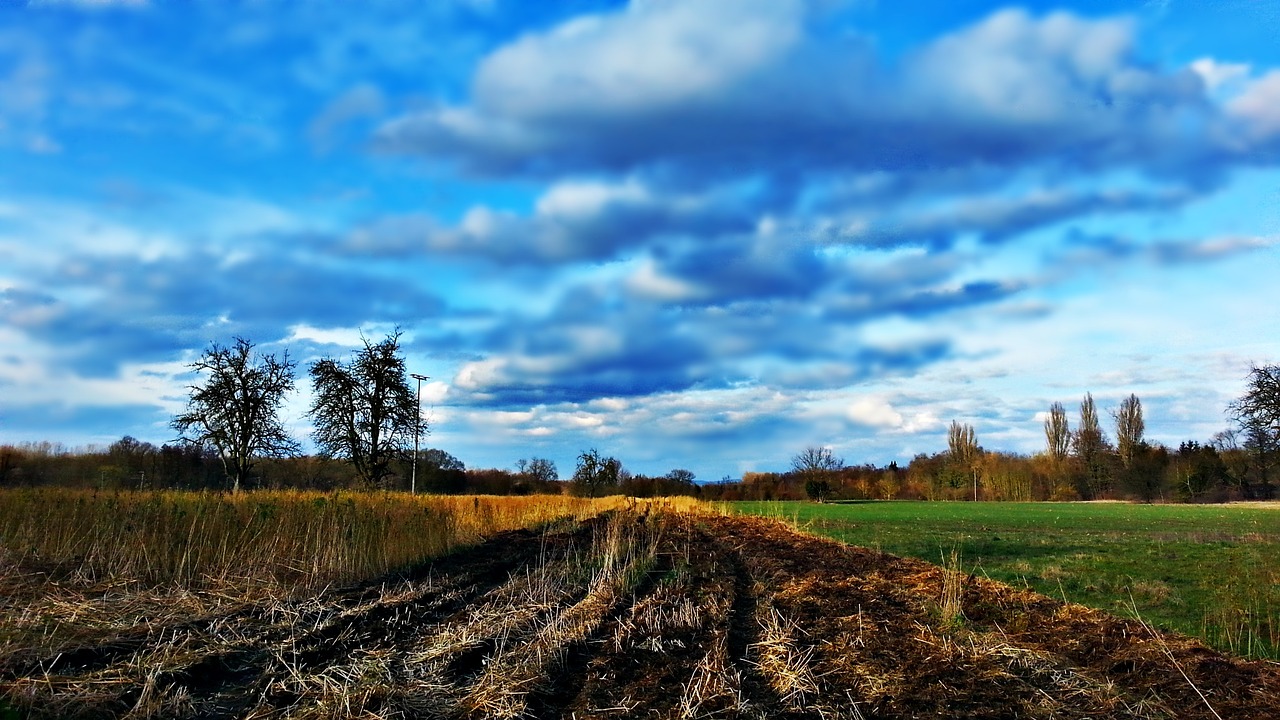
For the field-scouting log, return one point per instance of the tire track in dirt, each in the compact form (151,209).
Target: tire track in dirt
(759,698)
(585,665)
(86,658)
(454,584)
(274,640)
(649,645)
(685,646)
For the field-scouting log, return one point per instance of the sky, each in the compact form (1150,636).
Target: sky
(699,234)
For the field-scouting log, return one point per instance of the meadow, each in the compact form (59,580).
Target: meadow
(1210,571)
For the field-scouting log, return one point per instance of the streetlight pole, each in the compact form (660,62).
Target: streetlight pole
(417,421)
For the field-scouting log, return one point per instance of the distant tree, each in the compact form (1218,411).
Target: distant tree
(683,477)
(8,463)
(1260,405)
(135,461)
(1235,457)
(542,470)
(815,465)
(236,410)
(815,460)
(888,483)
(365,412)
(441,472)
(596,474)
(1057,433)
(817,489)
(1257,413)
(1197,471)
(1091,448)
(962,443)
(1147,471)
(1129,429)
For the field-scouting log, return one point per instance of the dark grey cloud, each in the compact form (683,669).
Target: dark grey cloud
(1092,250)
(734,268)
(992,219)
(111,309)
(599,342)
(572,222)
(919,303)
(590,346)
(717,90)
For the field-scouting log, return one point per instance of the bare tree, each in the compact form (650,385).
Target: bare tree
(815,465)
(682,476)
(814,459)
(1057,432)
(1091,447)
(1129,429)
(1258,410)
(962,442)
(543,470)
(1258,414)
(364,411)
(595,474)
(237,408)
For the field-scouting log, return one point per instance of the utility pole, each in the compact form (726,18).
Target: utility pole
(417,421)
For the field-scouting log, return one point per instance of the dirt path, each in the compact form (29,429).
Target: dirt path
(664,616)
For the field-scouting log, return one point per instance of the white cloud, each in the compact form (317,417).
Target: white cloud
(510,418)
(874,412)
(1258,106)
(649,282)
(613,405)
(1219,76)
(576,199)
(655,54)
(347,337)
(434,393)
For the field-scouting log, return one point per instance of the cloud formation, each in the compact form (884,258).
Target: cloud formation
(1009,90)
(661,223)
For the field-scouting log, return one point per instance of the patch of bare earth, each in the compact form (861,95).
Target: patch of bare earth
(654,615)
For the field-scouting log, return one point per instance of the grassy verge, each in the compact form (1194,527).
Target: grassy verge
(1208,571)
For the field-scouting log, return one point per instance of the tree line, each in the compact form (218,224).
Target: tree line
(131,464)
(1080,463)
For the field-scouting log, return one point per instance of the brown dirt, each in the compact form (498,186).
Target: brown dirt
(644,615)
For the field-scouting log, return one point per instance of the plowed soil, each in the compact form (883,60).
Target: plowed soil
(648,615)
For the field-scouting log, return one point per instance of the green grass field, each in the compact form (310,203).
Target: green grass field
(1212,571)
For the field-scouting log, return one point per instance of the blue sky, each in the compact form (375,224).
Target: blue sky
(691,234)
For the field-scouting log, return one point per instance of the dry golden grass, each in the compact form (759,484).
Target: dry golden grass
(277,539)
(787,668)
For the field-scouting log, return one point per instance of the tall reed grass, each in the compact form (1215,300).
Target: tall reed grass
(278,539)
